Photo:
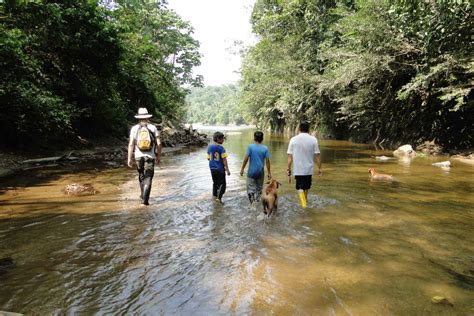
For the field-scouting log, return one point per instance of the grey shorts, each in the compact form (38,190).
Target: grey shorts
(255,186)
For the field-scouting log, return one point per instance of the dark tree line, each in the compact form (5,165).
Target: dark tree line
(74,68)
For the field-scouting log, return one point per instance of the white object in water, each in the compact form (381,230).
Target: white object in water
(445,164)
(383,158)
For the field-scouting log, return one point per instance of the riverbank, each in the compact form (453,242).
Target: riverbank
(112,152)
(109,152)
(114,156)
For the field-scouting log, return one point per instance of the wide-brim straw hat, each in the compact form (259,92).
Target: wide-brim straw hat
(143,114)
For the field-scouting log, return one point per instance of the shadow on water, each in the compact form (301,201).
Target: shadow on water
(360,248)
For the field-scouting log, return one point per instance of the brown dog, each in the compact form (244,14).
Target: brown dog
(379,176)
(270,197)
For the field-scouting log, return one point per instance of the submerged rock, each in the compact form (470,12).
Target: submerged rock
(80,189)
(469,159)
(443,164)
(441,300)
(6,264)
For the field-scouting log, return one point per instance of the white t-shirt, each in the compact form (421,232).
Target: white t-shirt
(303,147)
(133,135)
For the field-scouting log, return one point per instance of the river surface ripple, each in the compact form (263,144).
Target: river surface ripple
(360,248)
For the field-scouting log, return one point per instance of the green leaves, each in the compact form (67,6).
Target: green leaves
(85,68)
(391,71)
(215,105)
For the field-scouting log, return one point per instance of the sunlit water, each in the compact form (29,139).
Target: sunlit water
(360,248)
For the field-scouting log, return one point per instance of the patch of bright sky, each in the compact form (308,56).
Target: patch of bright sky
(217,24)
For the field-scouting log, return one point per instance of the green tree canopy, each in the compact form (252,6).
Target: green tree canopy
(384,71)
(73,68)
(215,105)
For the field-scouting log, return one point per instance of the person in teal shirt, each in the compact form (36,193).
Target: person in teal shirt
(259,157)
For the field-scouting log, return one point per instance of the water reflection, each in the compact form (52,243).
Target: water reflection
(360,248)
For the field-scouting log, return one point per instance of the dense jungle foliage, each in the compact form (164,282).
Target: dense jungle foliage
(215,105)
(82,68)
(382,71)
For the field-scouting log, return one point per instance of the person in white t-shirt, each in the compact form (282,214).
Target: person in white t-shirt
(303,150)
(145,145)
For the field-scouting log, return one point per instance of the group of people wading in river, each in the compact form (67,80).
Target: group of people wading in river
(303,150)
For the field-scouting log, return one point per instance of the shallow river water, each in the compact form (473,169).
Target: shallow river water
(360,248)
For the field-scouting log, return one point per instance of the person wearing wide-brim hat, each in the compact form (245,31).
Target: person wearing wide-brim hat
(145,146)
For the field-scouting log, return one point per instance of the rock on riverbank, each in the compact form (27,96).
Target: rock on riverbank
(466,158)
(172,137)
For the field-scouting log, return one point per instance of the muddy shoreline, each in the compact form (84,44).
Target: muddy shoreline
(109,152)
(112,157)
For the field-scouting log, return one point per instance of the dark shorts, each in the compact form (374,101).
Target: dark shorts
(219,183)
(303,182)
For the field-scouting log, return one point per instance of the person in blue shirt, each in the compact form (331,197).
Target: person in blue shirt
(259,157)
(218,164)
